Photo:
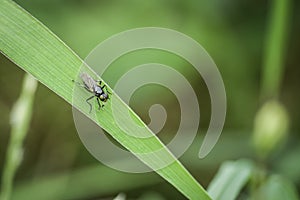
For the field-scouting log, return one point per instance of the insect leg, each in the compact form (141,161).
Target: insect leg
(99,104)
(89,102)
(104,86)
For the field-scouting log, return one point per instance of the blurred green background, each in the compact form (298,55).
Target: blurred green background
(234,33)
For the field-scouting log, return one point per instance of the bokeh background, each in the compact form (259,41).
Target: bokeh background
(235,34)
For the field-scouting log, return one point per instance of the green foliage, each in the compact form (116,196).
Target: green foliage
(20,120)
(233,33)
(230,179)
(97,180)
(34,48)
(275,48)
(276,188)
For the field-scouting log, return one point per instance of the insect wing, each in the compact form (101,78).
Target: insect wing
(88,81)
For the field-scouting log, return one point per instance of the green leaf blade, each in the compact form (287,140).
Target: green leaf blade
(34,48)
(230,179)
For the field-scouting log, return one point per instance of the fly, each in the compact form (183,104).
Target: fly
(94,87)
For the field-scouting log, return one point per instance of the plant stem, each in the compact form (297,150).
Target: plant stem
(20,119)
(275,48)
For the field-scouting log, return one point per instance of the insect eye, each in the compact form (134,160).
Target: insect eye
(101,97)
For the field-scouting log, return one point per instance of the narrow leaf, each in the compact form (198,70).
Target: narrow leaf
(34,48)
(230,179)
